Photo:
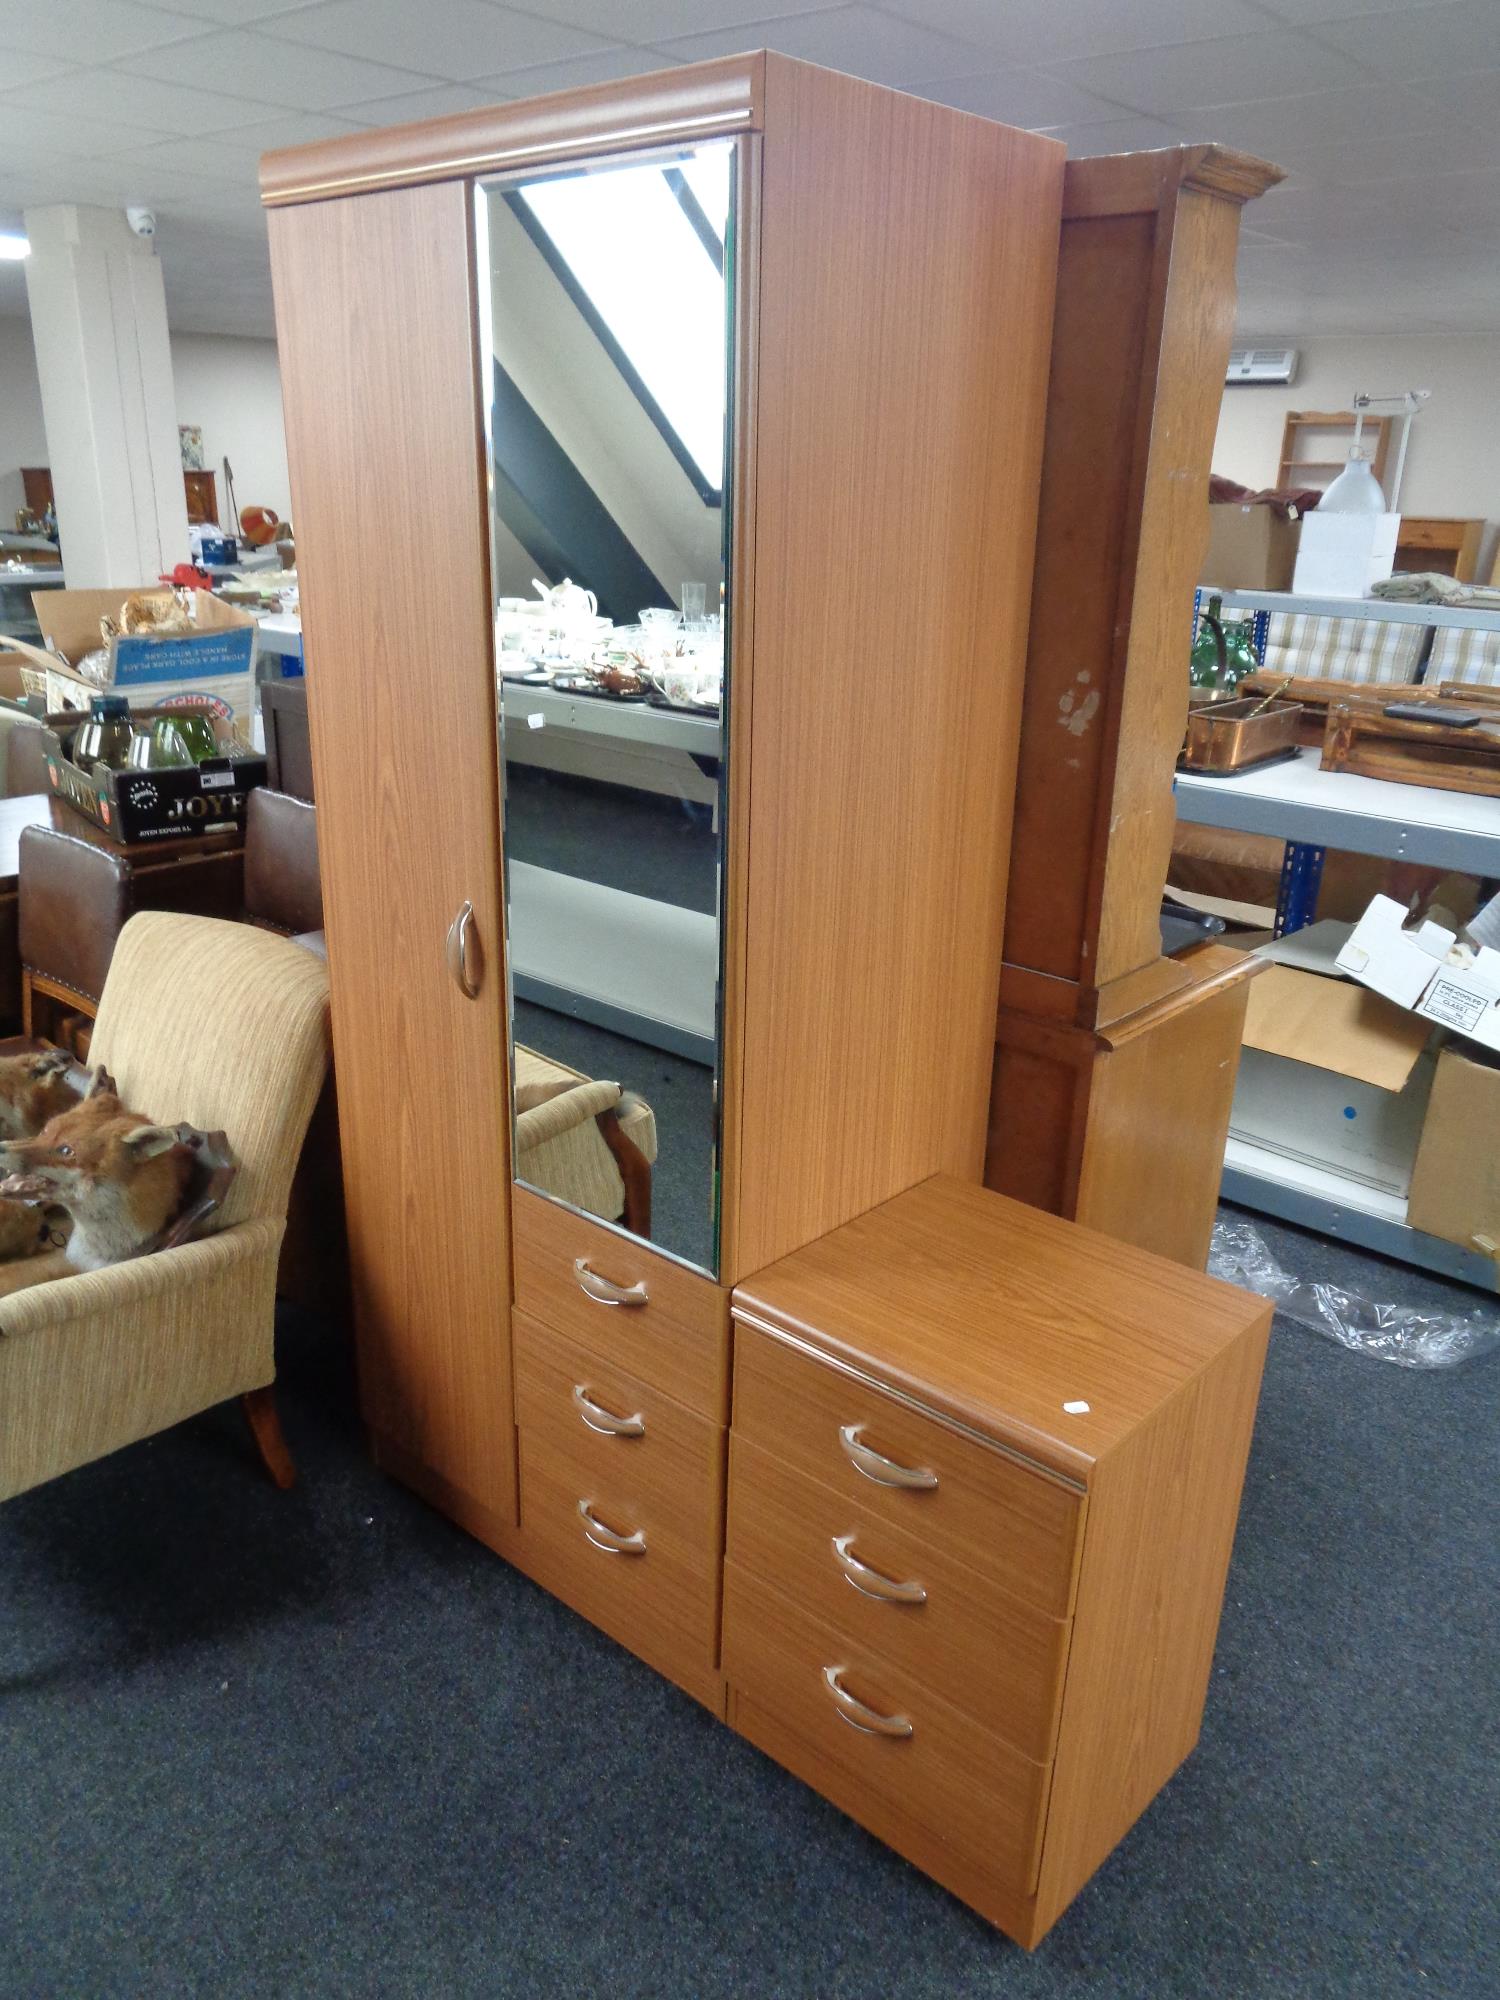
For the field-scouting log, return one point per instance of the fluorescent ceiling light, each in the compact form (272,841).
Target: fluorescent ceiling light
(13,247)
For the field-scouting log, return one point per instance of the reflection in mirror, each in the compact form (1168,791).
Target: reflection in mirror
(608,343)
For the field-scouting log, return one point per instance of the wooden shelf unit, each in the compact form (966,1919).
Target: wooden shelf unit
(1304,425)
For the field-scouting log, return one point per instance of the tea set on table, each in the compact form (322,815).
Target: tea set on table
(558,639)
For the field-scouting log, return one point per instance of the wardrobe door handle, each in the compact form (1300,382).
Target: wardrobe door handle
(858,1714)
(605,1421)
(605,1539)
(873,1582)
(462,947)
(875,1465)
(605,1290)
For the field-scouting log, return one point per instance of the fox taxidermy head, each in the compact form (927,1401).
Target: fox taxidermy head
(33,1088)
(121,1178)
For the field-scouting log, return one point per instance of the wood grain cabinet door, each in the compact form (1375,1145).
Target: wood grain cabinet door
(376,325)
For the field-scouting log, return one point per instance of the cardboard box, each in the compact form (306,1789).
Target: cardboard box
(1341,555)
(137,806)
(1425,969)
(1331,1075)
(1249,548)
(214,663)
(1455,1190)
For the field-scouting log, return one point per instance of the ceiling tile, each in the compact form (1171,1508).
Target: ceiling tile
(89,30)
(234,159)
(234,13)
(46,135)
(1277,126)
(1033,31)
(144,103)
(1308,13)
(1427,41)
(657,20)
(1470,99)
(17,69)
(855,39)
(1236,71)
(455,40)
(1459,148)
(1020,97)
(578,72)
(438,100)
(270,71)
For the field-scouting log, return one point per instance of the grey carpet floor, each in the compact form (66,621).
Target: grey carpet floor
(323,1744)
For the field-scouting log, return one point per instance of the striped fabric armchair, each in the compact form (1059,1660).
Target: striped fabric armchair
(224,1027)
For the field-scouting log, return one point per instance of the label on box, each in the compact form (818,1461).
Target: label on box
(216,781)
(194,656)
(1455,1006)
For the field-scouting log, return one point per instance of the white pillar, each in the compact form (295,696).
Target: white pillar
(99,322)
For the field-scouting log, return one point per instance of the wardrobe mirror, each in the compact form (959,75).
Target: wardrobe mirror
(607,317)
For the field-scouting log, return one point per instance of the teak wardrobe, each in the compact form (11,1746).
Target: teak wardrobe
(561,1388)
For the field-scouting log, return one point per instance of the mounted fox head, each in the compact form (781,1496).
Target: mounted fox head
(33,1088)
(121,1179)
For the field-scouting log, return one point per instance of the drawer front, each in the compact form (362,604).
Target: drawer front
(994,1658)
(649,1448)
(1015,1525)
(984,1798)
(677,1339)
(658,1594)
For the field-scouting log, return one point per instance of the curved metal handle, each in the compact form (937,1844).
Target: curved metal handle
(873,1582)
(605,1421)
(460,935)
(605,1539)
(605,1290)
(858,1714)
(875,1465)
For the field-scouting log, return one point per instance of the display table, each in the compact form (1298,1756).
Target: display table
(1313,809)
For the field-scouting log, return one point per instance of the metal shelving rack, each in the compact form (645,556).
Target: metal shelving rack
(1313,810)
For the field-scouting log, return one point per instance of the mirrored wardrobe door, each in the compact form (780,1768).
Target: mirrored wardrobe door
(608,289)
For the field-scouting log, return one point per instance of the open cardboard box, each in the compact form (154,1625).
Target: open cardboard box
(1455,1191)
(1423,967)
(1331,1075)
(213,664)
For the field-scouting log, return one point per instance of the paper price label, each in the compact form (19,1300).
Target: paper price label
(1454,1007)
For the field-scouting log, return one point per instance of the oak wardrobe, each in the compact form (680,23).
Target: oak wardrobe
(665,461)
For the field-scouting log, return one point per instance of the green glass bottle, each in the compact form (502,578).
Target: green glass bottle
(1207,661)
(1239,653)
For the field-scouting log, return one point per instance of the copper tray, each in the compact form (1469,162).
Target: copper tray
(1227,735)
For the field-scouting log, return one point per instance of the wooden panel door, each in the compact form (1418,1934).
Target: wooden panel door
(379,356)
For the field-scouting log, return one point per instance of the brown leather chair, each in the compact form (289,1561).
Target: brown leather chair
(76,893)
(283,892)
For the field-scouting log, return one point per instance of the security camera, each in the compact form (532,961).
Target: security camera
(142,221)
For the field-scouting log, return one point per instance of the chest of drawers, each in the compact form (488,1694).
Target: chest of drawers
(984,1474)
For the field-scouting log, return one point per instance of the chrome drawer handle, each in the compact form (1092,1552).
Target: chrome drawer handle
(605,1290)
(605,1539)
(875,1465)
(859,1715)
(462,953)
(605,1422)
(872,1582)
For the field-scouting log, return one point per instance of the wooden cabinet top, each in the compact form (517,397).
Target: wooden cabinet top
(997,1316)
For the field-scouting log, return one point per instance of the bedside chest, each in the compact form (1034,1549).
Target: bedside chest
(984,1473)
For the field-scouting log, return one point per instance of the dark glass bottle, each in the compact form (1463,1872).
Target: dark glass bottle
(105,737)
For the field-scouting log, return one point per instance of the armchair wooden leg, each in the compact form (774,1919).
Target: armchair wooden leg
(265,1427)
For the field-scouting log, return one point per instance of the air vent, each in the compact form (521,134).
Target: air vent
(1262,364)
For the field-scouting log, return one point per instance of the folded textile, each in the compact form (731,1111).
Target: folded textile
(1429,586)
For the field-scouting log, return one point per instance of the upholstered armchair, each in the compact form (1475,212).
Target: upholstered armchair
(587,1143)
(224,1027)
